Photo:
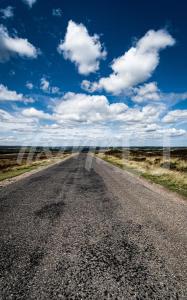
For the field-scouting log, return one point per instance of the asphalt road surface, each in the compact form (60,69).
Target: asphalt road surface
(85,230)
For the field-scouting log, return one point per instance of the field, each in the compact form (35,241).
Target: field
(15,161)
(167,167)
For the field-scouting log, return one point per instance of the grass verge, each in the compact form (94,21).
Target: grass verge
(175,181)
(18,170)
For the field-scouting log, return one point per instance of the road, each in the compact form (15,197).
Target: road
(84,229)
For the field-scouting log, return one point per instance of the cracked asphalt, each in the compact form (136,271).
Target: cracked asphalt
(84,229)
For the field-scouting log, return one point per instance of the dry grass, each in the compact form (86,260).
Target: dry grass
(171,174)
(10,168)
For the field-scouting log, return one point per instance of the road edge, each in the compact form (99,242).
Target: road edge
(157,188)
(14,179)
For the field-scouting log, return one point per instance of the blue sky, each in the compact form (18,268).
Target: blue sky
(98,73)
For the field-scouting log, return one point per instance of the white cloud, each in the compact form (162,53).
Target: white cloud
(95,109)
(10,123)
(7,12)
(35,113)
(137,64)
(146,92)
(172,132)
(5,116)
(29,85)
(10,46)
(87,108)
(152,127)
(44,84)
(90,123)
(89,86)
(57,12)
(174,116)
(47,88)
(150,92)
(82,49)
(145,115)
(29,2)
(83,110)
(174,97)
(7,95)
